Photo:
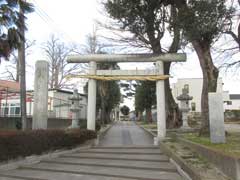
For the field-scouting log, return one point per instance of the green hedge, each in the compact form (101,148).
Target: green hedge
(14,144)
(232,114)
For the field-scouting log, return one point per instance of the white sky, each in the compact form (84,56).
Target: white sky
(72,20)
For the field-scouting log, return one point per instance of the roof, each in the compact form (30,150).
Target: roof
(234,96)
(10,85)
(65,91)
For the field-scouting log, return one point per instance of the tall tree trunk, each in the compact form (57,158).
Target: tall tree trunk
(139,116)
(108,117)
(103,112)
(22,64)
(210,77)
(52,78)
(17,71)
(149,115)
(172,111)
(56,79)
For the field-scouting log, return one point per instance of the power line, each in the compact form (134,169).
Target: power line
(49,21)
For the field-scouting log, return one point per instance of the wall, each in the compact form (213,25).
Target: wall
(9,123)
(234,106)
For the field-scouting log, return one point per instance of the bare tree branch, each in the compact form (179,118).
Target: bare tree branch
(56,53)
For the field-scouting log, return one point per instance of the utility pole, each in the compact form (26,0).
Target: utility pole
(22,71)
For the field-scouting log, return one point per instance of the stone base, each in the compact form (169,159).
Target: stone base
(157,140)
(185,127)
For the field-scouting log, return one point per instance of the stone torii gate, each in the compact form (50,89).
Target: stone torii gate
(155,75)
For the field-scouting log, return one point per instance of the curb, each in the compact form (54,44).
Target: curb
(181,165)
(148,131)
(186,171)
(102,133)
(231,165)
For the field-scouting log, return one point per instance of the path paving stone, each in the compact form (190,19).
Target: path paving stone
(119,156)
(136,135)
(116,163)
(134,158)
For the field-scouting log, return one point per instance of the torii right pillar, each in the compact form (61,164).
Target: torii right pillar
(161,108)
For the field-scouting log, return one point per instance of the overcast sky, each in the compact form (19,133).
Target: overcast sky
(73,20)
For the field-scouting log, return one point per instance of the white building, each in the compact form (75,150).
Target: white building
(234,102)
(195,90)
(58,102)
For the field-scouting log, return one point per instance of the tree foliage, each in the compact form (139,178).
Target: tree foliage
(203,20)
(109,93)
(145,19)
(125,110)
(10,24)
(145,97)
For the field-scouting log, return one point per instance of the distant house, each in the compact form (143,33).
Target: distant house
(234,103)
(59,104)
(58,101)
(195,90)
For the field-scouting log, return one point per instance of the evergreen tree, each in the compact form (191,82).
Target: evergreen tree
(10,23)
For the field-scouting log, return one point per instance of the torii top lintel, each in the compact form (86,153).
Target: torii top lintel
(168,57)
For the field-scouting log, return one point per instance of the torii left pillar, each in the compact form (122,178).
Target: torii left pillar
(161,111)
(92,93)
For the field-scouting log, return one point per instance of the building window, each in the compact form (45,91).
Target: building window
(229,103)
(6,111)
(11,109)
(17,111)
(193,106)
(186,86)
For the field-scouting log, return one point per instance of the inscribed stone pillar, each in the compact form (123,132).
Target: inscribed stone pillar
(161,112)
(216,118)
(40,111)
(92,92)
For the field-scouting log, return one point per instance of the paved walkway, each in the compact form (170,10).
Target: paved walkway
(126,133)
(125,153)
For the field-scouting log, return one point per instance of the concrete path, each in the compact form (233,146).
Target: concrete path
(126,133)
(125,153)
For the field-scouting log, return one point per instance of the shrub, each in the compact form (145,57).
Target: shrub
(14,144)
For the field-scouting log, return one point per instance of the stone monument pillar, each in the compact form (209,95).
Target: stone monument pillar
(216,118)
(161,111)
(184,99)
(75,109)
(92,92)
(40,111)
